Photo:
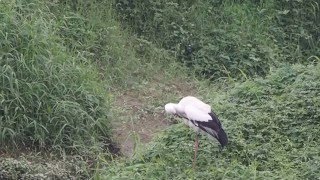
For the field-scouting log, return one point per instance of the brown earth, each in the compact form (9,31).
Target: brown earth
(141,114)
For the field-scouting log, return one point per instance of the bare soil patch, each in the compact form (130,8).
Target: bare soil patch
(141,114)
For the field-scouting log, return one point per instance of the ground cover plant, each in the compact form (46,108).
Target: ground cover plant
(272,125)
(62,64)
(228,38)
(78,77)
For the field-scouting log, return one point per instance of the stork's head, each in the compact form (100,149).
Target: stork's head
(171,108)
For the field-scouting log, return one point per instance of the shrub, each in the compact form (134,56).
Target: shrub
(298,26)
(227,38)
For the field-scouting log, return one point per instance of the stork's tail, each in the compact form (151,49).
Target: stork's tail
(222,137)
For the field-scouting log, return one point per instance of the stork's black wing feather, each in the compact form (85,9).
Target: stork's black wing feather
(215,118)
(212,124)
(207,122)
(214,128)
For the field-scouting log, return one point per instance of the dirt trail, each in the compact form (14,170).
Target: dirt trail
(142,115)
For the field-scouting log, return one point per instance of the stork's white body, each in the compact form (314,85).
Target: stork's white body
(199,116)
(193,108)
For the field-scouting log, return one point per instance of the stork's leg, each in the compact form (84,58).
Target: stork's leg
(196,145)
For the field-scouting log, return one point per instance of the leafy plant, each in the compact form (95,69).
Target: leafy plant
(227,38)
(272,124)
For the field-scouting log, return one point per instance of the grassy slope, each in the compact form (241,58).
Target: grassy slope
(87,59)
(228,38)
(52,98)
(62,64)
(272,124)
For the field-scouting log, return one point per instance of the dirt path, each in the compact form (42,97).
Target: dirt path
(141,114)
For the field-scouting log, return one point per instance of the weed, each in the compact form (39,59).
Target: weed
(49,99)
(272,126)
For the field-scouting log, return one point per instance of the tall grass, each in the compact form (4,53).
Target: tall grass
(61,63)
(50,98)
(90,30)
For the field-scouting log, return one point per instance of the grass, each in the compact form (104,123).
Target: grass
(50,99)
(71,73)
(61,69)
(34,166)
(228,38)
(272,127)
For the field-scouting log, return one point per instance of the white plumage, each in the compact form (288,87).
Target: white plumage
(199,116)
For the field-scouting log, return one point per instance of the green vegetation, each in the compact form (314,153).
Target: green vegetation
(50,98)
(273,128)
(228,38)
(65,64)
(33,166)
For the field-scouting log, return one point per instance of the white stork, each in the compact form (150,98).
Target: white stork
(199,116)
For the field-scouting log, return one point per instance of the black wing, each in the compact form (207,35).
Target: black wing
(214,128)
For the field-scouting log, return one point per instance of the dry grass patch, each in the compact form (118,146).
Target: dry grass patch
(139,111)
